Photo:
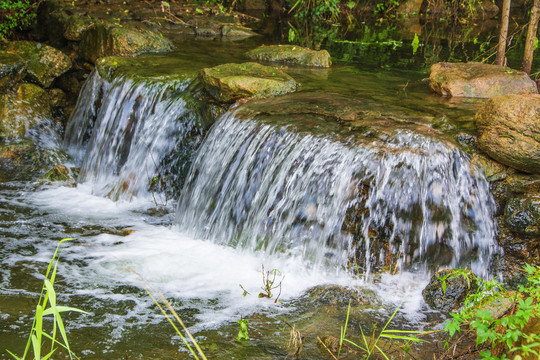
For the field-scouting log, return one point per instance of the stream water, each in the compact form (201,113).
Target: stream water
(258,190)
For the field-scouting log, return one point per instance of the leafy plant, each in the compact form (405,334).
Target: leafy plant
(269,284)
(498,336)
(243,332)
(16,14)
(38,333)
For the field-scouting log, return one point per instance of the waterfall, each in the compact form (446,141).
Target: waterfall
(271,188)
(122,131)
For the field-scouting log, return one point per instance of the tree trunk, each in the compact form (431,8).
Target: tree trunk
(531,36)
(501,49)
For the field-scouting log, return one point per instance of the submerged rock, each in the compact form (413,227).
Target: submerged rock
(21,109)
(478,80)
(43,63)
(230,82)
(291,54)
(509,131)
(447,289)
(107,38)
(12,69)
(336,295)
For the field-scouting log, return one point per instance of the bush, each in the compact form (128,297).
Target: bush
(16,15)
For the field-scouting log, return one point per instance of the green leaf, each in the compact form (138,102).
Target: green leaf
(535,43)
(415,44)
(61,309)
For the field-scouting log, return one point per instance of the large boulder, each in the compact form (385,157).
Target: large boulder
(509,131)
(43,63)
(291,54)
(21,109)
(480,80)
(107,38)
(230,82)
(12,68)
(448,289)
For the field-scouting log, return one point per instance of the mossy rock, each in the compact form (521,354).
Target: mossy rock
(112,39)
(25,152)
(153,68)
(22,109)
(230,82)
(291,54)
(493,171)
(509,131)
(43,63)
(522,214)
(478,80)
(448,289)
(75,26)
(62,173)
(12,69)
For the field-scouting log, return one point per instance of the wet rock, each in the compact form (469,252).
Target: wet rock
(57,98)
(15,150)
(522,214)
(25,152)
(492,170)
(107,38)
(336,295)
(43,63)
(12,69)
(75,26)
(62,173)
(236,32)
(509,131)
(291,54)
(25,107)
(447,290)
(522,183)
(478,80)
(230,82)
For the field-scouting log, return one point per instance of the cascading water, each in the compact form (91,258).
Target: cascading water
(270,187)
(122,130)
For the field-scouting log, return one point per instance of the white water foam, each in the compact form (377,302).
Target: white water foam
(194,273)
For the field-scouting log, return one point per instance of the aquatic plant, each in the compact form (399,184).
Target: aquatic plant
(38,332)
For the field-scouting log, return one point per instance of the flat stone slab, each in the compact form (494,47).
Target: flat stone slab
(230,82)
(291,54)
(478,80)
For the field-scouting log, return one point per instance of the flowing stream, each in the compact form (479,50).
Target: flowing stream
(191,208)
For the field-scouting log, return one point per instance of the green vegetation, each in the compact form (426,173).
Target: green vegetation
(16,15)
(243,332)
(38,334)
(509,333)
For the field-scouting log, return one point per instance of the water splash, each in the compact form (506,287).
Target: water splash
(270,188)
